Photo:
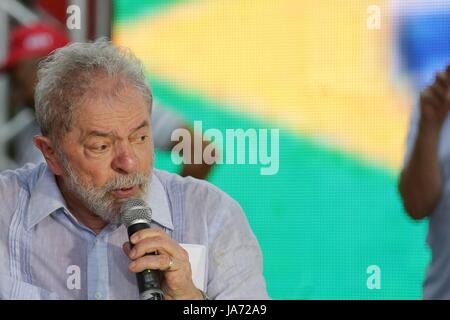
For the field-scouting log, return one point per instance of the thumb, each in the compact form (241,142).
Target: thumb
(126,248)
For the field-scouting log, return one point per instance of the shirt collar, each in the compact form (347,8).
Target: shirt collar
(46,198)
(159,203)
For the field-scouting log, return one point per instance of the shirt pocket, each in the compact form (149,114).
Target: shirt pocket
(11,288)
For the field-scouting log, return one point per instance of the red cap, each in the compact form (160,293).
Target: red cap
(35,40)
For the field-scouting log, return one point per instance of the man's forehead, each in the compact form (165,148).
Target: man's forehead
(108,101)
(115,120)
(111,104)
(112,90)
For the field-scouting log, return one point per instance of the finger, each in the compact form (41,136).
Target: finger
(153,244)
(442,80)
(147,233)
(442,83)
(427,98)
(158,262)
(126,248)
(439,93)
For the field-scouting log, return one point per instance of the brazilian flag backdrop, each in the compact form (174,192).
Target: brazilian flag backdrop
(316,72)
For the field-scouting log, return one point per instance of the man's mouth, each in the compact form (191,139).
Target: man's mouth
(125,192)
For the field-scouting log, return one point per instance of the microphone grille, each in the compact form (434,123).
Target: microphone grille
(133,210)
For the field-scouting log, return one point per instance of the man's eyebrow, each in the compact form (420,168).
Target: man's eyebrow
(142,125)
(99,134)
(110,134)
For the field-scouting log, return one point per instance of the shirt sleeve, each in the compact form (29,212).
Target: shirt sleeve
(9,190)
(235,264)
(205,215)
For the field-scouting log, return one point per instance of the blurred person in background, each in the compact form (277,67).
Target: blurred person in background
(424,44)
(28,45)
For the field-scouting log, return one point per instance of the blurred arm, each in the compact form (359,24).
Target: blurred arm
(421,182)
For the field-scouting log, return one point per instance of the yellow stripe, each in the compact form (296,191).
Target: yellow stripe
(312,66)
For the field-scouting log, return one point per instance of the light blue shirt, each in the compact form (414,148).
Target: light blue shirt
(47,254)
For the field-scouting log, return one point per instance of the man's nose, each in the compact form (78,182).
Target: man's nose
(125,160)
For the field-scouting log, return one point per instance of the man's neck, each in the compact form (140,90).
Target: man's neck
(80,212)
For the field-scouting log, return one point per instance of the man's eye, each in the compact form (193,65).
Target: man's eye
(141,139)
(100,147)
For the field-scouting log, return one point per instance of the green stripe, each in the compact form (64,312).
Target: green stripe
(322,220)
(128,10)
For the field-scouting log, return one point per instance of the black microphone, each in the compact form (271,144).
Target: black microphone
(137,215)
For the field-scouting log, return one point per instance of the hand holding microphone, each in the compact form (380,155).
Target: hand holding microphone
(170,265)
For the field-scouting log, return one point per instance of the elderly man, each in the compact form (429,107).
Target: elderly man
(61,218)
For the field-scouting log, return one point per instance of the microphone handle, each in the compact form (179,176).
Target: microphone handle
(148,280)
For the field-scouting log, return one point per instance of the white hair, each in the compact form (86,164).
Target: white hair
(72,73)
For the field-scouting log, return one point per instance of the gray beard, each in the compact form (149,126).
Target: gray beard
(98,200)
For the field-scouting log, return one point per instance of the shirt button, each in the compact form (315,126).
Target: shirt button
(97,242)
(98,295)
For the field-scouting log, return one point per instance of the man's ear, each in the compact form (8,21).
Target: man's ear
(44,144)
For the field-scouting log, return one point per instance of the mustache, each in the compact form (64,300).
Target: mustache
(125,181)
